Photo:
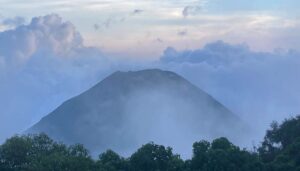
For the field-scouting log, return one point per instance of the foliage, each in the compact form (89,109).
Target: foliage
(39,152)
(111,161)
(222,155)
(152,157)
(280,150)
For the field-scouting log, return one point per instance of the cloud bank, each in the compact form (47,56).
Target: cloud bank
(13,22)
(258,86)
(41,65)
(44,34)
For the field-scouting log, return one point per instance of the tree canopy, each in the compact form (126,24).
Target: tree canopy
(280,150)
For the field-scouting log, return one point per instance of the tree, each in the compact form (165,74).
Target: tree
(200,155)
(152,157)
(39,152)
(111,161)
(222,155)
(14,153)
(280,149)
(79,158)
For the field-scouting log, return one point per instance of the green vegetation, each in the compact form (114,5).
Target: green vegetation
(280,150)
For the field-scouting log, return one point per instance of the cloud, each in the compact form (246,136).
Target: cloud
(182,33)
(259,86)
(44,34)
(42,64)
(191,10)
(215,54)
(96,26)
(137,11)
(113,20)
(159,40)
(109,22)
(13,22)
(194,9)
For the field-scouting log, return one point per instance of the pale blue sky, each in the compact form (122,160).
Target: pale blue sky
(119,30)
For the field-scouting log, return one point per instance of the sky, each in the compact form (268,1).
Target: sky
(126,27)
(244,53)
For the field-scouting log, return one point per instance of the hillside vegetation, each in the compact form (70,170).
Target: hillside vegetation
(280,150)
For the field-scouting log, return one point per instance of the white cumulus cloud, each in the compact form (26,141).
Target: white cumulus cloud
(42,64)
(48,34)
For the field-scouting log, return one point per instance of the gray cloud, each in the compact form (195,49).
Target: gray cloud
(42,64)
(182,33)
(13,22)
(191,10)
(258,86)
(159,40)
(137,11)
(113,20)
(96,26)
(215,54)
(108,22)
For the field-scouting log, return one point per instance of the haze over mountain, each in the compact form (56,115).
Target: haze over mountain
(128,109)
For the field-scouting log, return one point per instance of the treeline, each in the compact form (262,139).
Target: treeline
(280,150)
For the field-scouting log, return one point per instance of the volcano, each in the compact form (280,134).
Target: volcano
(127,109)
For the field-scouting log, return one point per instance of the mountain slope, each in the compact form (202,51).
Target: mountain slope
(127,109)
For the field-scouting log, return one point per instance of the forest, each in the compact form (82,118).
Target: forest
(279,150)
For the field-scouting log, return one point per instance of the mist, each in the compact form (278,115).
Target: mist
(260,87)
(177,122)
(128,109)
(43,68)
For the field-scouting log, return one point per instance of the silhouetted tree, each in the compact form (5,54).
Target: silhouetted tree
(200,155)
(222,155)
(280,149)
(15,152)
(152,157)
(39,152)
(111,161)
